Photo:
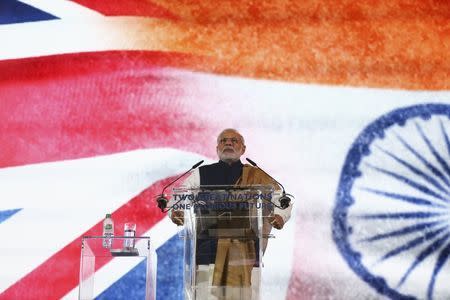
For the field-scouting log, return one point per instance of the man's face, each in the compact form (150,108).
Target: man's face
(230,146)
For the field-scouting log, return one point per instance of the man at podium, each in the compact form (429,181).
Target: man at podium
(213,256)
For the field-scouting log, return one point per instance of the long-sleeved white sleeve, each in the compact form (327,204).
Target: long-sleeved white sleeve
(284,213)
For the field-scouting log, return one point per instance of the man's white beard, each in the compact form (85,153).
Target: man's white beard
(229,156)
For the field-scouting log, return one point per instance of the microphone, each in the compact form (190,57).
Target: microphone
(284,199)
(161,199)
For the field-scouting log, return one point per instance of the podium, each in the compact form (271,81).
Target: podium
(94,256)
(226,230)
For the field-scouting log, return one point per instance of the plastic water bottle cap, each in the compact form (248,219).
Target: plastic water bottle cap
(108,215)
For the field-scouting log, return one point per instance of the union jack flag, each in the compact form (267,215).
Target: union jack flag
(346,103)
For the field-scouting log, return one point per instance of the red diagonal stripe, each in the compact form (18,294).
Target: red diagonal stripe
(82,105)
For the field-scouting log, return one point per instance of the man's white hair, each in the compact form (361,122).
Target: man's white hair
(233,130)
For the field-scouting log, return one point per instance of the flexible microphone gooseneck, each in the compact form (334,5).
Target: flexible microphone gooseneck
(161,199)
(284,199)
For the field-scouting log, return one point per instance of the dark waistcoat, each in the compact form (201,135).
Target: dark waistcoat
(219,173)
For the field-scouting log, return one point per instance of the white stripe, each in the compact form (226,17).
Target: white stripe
(63,9)
(74,35)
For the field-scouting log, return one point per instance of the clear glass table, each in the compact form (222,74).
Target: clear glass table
(129,250)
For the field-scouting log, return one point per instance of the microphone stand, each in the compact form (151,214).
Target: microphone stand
(284,200)
(162,200)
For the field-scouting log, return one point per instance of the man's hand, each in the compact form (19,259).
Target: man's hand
(178,217)
(276,221)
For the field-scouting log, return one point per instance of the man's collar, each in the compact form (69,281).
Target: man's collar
(236,163)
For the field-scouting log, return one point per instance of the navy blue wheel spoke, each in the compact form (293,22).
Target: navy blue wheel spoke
(435,154)
(443,256)
(404,198)
(423,255)
(447,140)
(404,231)
(402,215)
(415,171)
(413,243)
(420,187)
(429,165)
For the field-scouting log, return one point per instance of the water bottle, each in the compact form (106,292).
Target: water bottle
(129,233)
(108,231)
